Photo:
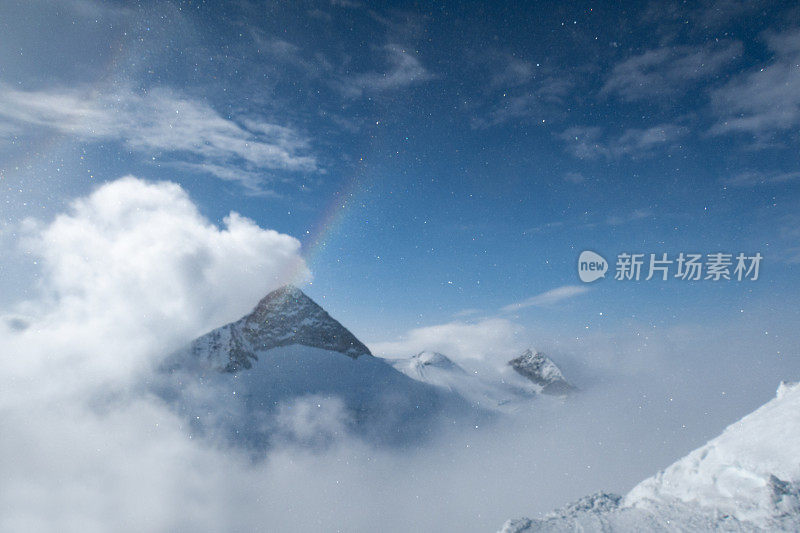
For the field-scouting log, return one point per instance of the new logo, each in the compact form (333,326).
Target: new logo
(591,266)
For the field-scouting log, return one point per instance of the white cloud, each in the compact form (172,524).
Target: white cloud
(136,264)
(766,100)
(313,420)
(134,268)
(667,70)
(459,340)
(547,298)
(128,273)
(158,121)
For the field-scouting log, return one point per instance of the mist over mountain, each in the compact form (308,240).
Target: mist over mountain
(102,433)
(242,381)
(497,391)
(288,374)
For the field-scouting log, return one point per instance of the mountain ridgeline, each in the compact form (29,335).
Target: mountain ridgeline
(245,380)
(288,371)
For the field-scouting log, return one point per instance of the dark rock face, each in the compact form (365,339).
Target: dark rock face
(288,316)
(541,370)
(283,317)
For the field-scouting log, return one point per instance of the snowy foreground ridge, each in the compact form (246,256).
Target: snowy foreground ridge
(747,479)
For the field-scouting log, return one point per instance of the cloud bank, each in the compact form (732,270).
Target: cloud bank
(134,269)
(459,340)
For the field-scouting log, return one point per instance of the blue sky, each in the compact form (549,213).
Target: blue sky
(438,162)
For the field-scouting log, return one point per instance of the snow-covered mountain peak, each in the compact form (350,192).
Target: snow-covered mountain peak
(248,381)
(542,371)
(284,317)
(427,358)
(286,300)
(493,392)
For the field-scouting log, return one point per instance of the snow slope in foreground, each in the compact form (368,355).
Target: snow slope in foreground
(747,479)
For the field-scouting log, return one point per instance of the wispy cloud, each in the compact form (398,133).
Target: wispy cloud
(765,100)
(785,234)
(349,4)
(403,70)
(550,297)
(574,177)
(536,98)
(277,48)
(589,220)
(541,103)
(466,313)
(669,19)
(514,71)
(160,121)
(392,65)
(253,182)
(591,142)
(545,228)
(753,178)
(668,70)
(95,9)
(636,214)
(282,54)
(720,12)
